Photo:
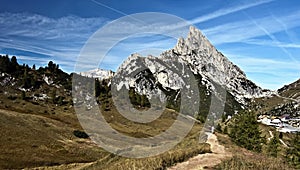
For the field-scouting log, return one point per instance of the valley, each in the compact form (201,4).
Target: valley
(41,113)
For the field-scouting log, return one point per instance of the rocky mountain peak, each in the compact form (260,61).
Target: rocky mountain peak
(195,40)
(205,60)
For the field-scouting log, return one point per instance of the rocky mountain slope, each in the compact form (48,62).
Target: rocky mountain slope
(163,77)
(291,91)
(286,100)
(98,73)
(205,60)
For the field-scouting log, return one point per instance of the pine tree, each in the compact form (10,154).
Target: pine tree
(51,65)
(138,99)
(245,132)
(273,146)
(223,118)
(219,128)
(26,79)
(34,81)
(132,96)
(60,100)
(53,95)
(225,131)
(280,135)
(4,64)
(14,64)
(70,102)
(143,100)
(293,152)
(97,88)
(23,95)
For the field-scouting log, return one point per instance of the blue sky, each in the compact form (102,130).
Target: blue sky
(260,36)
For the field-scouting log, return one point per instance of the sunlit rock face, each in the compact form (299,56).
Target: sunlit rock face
(204,59)
(98,73)
(149,75)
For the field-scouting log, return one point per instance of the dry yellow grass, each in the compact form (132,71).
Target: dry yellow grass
(247,160)
(32,136)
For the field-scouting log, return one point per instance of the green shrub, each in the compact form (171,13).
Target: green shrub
(80,134)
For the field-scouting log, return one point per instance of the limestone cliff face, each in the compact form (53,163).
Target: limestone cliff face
(205,60)
(194,55)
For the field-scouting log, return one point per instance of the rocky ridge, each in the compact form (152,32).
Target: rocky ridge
(98,73)
(202,59)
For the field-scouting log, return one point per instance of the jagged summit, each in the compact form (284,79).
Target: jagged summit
(205,60)
(202,58)
(194,40)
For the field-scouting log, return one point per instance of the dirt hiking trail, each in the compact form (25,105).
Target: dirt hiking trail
(207,160)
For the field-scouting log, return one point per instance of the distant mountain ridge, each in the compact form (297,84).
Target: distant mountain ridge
(98,73)
(286,100)
(291,91)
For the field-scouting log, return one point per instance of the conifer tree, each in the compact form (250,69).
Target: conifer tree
(26,81)
(293,152)
(23,95)
(60,100)
(97,88)
(219,128)
(273,146)
(53,95)
(225,131)
(14,64)
(245,132)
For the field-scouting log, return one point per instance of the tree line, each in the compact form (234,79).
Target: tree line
(244,130)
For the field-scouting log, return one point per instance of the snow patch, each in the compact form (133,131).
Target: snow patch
(98,73)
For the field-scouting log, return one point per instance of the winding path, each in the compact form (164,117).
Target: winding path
(271,134)
(201,161)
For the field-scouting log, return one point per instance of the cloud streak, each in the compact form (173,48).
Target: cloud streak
(240,31)
(227,11)
(61,39)
(272,43)
(267,73)
(64,37)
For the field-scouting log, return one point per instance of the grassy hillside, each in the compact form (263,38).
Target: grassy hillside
(247,160)
(31,140)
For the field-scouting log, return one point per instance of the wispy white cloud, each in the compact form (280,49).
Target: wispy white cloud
(275,40)
(227,11)
(245,29)
(149,45)
(64,37)
(61,39)
(272,43)
(266,72)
